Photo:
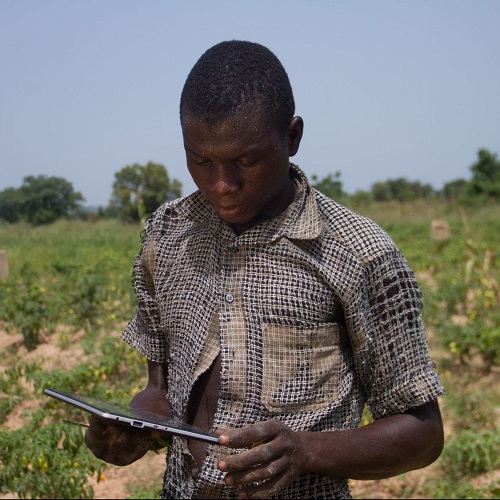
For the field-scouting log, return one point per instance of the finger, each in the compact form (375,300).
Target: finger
(268,488)
(249,459)
(263,472)
(246,437)
(94,434)
(97,425)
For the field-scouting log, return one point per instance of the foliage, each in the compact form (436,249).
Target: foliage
(143,492)
(456,189)
(47,458)
(40,200)
(28,312)
(359,200)
(473,409)
(10,205)
(460,489)
(70,273)
(401,189)
(330,186)
(484,185)
(471,452)
(139,190)
(78,273)
(485,175)
(46,461)
(470,324)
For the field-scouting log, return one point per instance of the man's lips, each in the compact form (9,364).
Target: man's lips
(227,209)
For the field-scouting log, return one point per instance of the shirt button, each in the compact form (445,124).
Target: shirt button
(229,297)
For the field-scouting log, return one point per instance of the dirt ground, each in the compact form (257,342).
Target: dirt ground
(147,472)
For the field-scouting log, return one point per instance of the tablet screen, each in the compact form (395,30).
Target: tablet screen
(131,416)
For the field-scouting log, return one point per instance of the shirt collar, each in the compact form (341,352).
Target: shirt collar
(300,220)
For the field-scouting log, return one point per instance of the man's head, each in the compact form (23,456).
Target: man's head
(234,75)
(239,131)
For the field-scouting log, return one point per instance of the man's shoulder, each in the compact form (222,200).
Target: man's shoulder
(180,213)
(356,233)
(186,207)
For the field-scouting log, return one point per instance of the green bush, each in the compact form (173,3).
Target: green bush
(471,453)
(46,461)
(460,489)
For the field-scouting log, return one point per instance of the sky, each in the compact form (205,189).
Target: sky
(386,88)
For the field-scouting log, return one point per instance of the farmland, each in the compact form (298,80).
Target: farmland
(69,295)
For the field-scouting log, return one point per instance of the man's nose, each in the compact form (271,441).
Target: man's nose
(224,181)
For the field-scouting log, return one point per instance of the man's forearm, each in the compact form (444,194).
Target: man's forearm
(384,448)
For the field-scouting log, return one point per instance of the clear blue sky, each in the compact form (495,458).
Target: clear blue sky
(386,88)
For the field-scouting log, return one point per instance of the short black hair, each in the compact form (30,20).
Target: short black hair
(233,74)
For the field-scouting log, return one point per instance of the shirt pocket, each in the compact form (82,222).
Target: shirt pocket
(301,366)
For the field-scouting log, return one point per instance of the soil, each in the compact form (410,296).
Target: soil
(116,481)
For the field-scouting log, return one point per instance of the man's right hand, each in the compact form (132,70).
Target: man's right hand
(119,444)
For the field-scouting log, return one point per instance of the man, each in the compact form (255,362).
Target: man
(270,313)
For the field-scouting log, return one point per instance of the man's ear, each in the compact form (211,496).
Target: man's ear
(294,133)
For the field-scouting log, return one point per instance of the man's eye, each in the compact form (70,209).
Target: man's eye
(244,164)
(202,163)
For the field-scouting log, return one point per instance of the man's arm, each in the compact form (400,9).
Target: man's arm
(384,448)
(154,396)
(119,444)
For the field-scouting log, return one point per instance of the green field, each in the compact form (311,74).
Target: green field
(69,288)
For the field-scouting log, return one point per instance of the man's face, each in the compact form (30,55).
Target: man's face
(241,165)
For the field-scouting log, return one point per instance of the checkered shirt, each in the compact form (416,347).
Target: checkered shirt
(314,313)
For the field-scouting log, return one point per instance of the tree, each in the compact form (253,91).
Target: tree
(330,186)
(139,190)
(360,198)
(10,205)
(45,199)
(401,189)
(485,175)
(39,200)
(454,190)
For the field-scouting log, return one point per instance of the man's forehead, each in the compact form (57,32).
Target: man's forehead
(244,117)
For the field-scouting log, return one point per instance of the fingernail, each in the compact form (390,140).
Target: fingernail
(224,440)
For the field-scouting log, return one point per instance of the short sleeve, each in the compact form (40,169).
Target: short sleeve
(393,361)
(144,332)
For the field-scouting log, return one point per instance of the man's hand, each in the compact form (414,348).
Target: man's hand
(275,458)
(119,444)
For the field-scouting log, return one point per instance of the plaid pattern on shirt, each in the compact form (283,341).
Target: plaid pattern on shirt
(314,313)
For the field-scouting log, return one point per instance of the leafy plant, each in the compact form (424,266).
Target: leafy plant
(473,327)
(443,488)
(46,461)
(472,453)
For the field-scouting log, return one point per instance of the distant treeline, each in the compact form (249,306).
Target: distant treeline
(483,185)
(138,190)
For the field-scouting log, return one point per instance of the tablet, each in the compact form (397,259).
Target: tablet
(131,416)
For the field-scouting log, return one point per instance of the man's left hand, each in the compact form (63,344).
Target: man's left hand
(275,458)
